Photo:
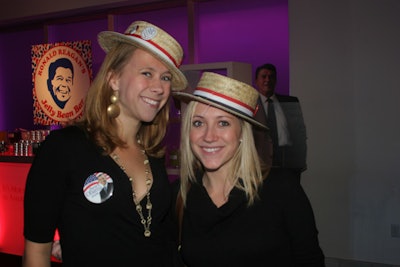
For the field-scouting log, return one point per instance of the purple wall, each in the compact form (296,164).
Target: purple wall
(255,33)
(16,103)
(81,31)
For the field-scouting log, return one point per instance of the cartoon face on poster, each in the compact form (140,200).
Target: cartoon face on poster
(61,77)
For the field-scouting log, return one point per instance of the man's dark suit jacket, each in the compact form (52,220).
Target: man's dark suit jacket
(294,156)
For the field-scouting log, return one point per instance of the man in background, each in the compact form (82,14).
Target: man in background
(284,146)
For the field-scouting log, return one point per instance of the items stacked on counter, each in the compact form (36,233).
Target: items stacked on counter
(22,142)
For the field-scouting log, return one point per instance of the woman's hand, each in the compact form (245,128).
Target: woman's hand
(56,250)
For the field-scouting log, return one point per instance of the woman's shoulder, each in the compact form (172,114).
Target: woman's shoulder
(65,138)
(282,186)
(69,131)
(281,178)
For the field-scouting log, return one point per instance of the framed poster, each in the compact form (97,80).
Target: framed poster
(61,76)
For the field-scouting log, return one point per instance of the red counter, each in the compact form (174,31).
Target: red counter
(12,186)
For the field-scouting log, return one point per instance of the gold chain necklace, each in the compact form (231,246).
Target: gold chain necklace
(145,222)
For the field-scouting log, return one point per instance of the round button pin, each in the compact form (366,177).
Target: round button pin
(98,187)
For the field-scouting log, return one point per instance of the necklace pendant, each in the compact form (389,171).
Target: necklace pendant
(138,206)
(147,233)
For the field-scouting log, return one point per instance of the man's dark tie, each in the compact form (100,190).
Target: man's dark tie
(271,123)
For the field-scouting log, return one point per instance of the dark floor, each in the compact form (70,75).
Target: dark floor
(8,260)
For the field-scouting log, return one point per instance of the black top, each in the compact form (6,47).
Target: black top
(108,233)
(278,230)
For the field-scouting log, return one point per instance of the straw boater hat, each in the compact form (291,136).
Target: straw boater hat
(225,93)
(154,40)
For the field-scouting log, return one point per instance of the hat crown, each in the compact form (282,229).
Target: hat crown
(158,38)
(228,92)
(235,97)
(154,40)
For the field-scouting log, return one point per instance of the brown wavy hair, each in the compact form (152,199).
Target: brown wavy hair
(100,127)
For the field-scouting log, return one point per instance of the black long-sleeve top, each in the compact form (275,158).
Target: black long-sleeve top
(94,234)
(277,230)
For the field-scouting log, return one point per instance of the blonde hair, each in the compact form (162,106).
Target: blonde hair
(247,172)
(103,129)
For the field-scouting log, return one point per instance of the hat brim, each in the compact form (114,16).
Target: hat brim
(187,97)
(109,39)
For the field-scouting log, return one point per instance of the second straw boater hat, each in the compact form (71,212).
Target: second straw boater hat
(154,40)
(225,93)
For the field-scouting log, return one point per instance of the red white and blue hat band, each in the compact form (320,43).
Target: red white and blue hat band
(153,46)
(225,100)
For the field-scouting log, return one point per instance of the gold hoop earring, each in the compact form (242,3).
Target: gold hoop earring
(113,109)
